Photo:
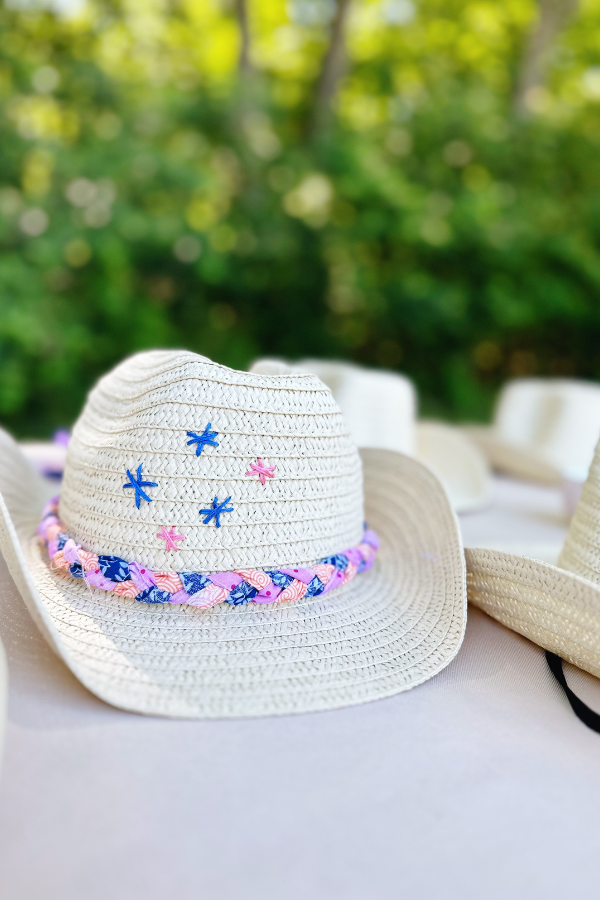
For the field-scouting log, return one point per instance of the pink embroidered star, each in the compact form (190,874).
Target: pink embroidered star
(261,470)
(170,537)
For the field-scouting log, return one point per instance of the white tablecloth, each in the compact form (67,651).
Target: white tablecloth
(479,784)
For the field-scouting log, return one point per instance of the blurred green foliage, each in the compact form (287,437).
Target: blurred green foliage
(150,196)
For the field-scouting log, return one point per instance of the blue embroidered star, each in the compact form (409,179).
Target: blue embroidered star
(137,484)
(215,511)
(201,440)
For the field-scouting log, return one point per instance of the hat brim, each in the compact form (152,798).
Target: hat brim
(507,457)
(388,630)
(554,608)
(458,463)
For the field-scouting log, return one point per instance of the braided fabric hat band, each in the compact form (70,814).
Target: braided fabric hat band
(111,573)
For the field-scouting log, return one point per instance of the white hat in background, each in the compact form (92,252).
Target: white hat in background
(208,555)
(556,607)
(380,409)
(47,457)
(544,429)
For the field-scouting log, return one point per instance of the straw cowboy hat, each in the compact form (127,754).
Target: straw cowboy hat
(380,409)
(544,429)
(208,555)
(557,607)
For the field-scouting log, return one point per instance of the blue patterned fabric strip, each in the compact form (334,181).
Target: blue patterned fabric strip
(338,560)
(241,594)
(153,595)
(193,581)
(114,567)
(279,578)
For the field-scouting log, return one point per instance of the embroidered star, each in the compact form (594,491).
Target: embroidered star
(204,439)
(170,537)
(215,511)
(137,484)
(261,470)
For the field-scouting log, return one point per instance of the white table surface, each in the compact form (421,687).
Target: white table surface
(479,784)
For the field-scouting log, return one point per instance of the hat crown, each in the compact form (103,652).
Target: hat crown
(309,506)
(581,551)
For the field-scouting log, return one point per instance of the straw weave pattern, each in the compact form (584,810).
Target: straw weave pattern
(554,608)
(141,413)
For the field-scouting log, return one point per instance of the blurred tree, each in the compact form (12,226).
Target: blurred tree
(427,229)
(332,69)
(242,18)
(551,18)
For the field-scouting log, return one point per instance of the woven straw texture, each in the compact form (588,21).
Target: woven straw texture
(558,608)
(388,630)
(141,413)
(555,609)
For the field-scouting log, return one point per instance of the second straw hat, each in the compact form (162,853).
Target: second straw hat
(557,607)
(544,429)
(208,554)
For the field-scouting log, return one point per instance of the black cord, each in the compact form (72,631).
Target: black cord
(583,712)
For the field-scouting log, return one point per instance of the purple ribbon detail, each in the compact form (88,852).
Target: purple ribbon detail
(45,524)
(303,575)
(369,560)
(142,578)
(354,555)
(268,594)
(71,551)
(371,539)
(227,580)
(334,581)
(97,579)
(180,597)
